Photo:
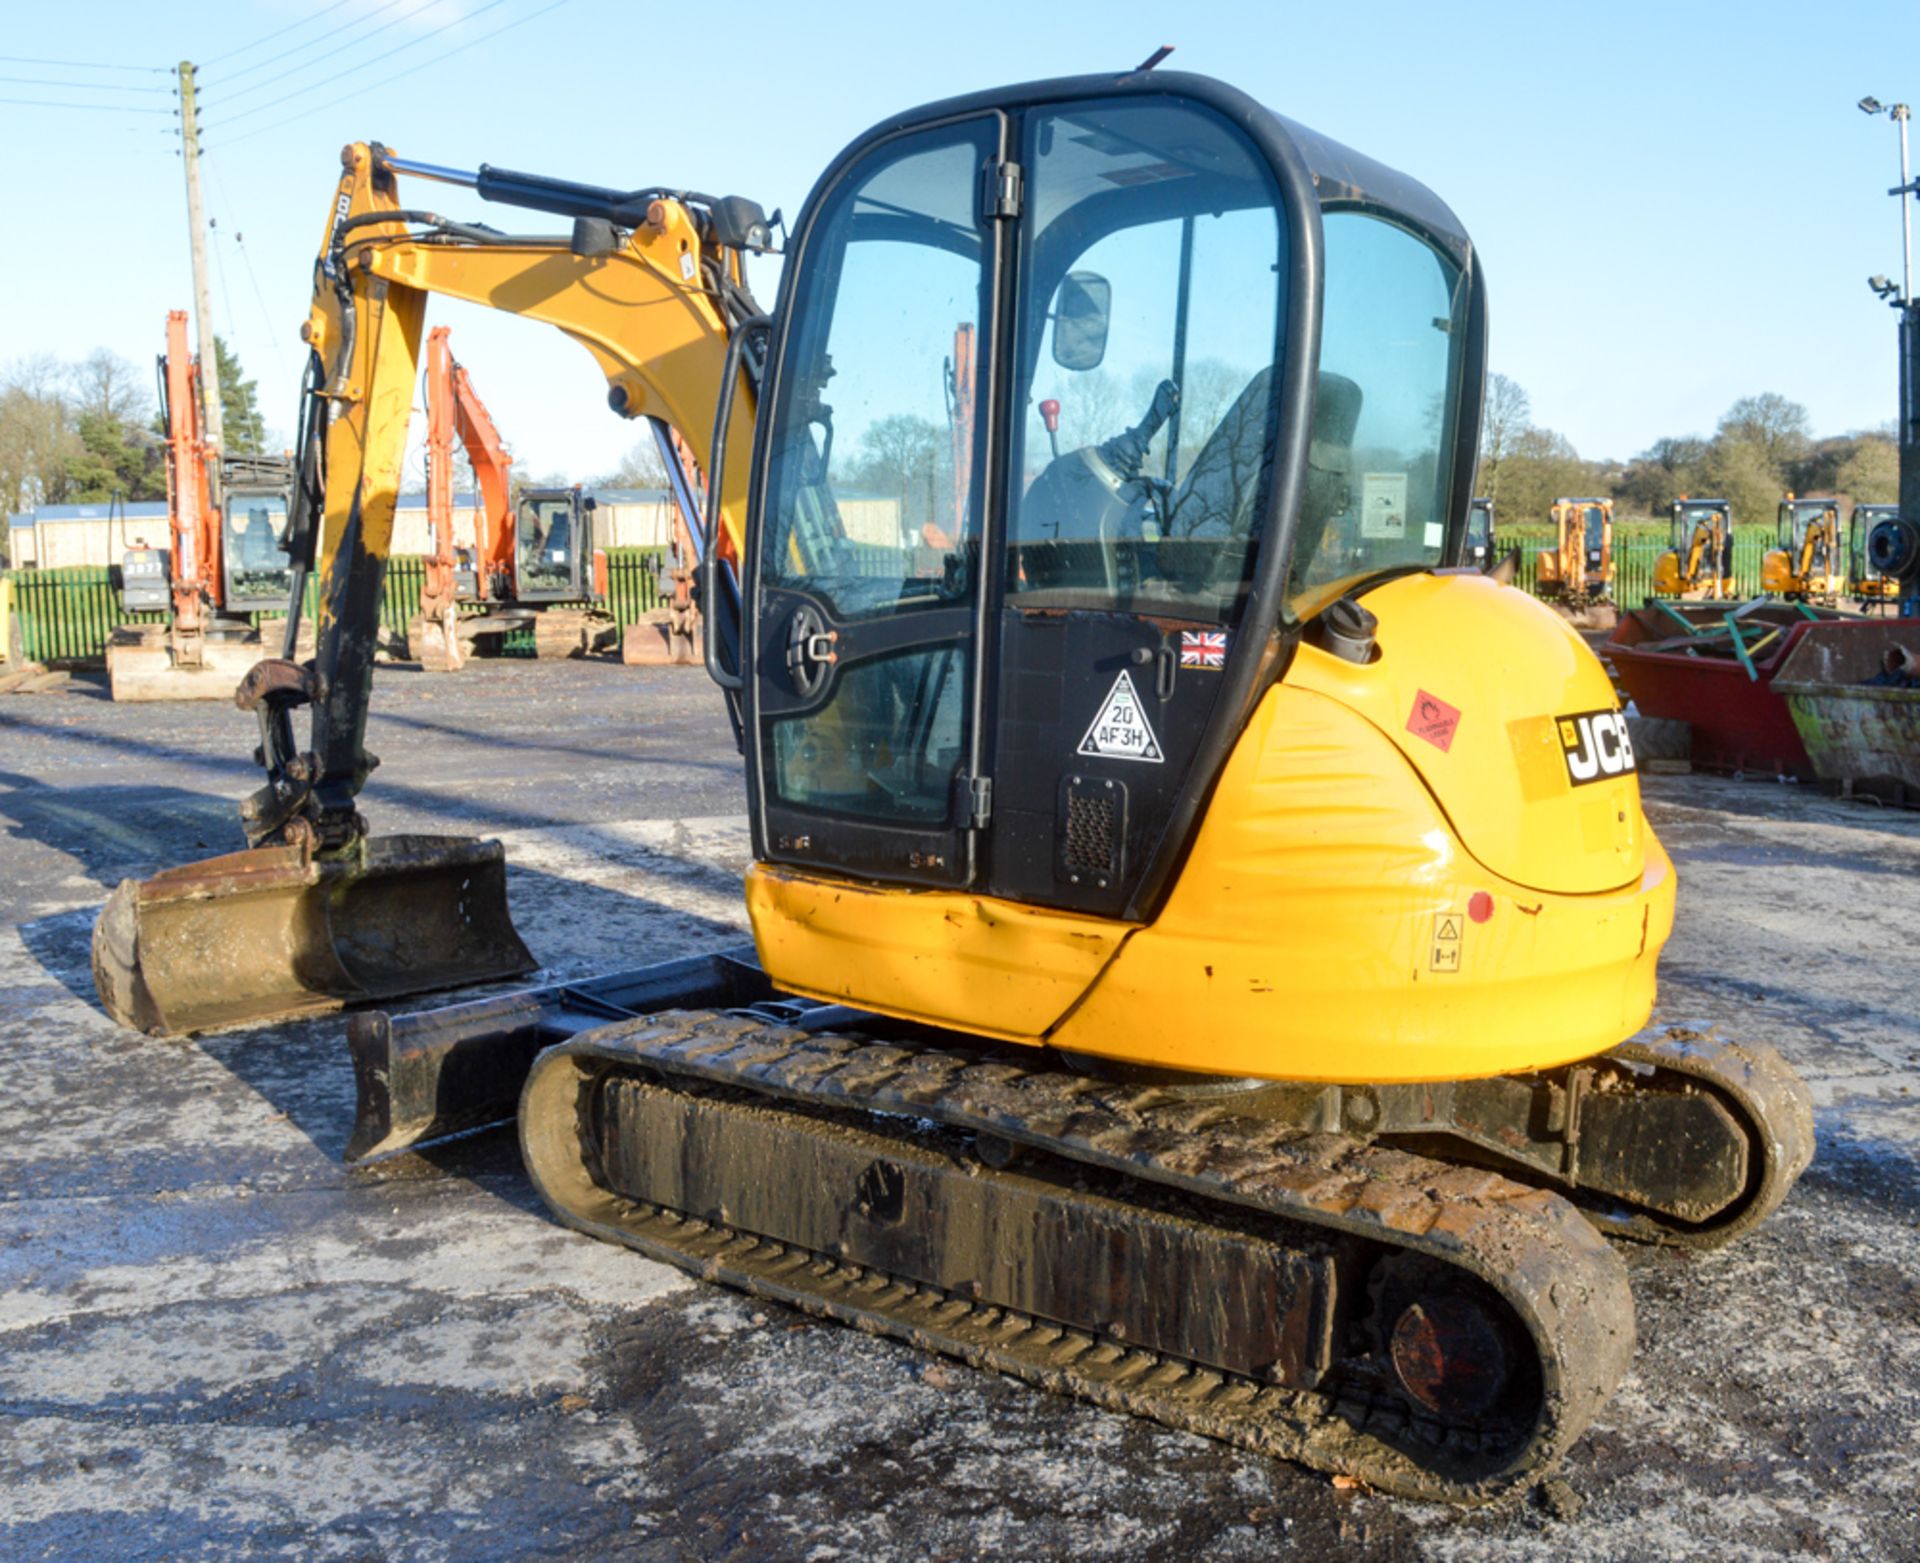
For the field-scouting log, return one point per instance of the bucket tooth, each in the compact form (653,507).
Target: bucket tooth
(273,933)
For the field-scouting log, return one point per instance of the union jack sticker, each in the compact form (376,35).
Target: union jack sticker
(1203,649)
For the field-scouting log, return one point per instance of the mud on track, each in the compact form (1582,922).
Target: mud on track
(215,1342)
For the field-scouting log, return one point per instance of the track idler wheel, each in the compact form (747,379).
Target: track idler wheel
(1451,1347)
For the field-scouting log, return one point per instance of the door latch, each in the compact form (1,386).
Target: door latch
(810,650)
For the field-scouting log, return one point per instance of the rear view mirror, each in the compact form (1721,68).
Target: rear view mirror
(1082,310)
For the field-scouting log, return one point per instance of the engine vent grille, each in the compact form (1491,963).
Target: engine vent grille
(1091,830)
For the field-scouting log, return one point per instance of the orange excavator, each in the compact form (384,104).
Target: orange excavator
(532,564)
(226,518)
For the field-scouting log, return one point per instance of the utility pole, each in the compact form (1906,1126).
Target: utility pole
(197,233)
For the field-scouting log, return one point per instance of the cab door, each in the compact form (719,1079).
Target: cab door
(863,724)
(1145,412)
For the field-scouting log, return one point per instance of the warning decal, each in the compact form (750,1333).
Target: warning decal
(1446,942)
(1120,731)
(1434,720)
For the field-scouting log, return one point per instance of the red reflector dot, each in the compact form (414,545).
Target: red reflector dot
(1480,908)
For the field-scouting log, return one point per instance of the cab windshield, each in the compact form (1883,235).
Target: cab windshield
(1595,522)
(546,544)
(1690,517)
(255,524)
(1795,518)
(1860,528)
(1148,333)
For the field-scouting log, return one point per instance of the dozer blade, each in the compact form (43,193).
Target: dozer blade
(142,667)
(272,932)
(431,1073)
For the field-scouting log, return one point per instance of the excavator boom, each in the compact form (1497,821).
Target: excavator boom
(319,912)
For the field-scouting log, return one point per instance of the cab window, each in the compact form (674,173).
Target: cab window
(1148,329)
(1379,462)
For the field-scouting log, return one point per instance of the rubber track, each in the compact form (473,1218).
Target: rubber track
(1535,1249)
(1758,1084)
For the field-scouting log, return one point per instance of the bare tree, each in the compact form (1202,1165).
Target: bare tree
(105,385)
(641,467)
(1505,416)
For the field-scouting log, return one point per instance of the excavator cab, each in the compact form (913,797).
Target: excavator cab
(1866,584)
(553,554)
(1805,562)
(1038,716)
(258,572)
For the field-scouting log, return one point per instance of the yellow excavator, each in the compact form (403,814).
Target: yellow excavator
(1203,933)
(1576,574)
(1867,584)
(1698,563)
(1806,565)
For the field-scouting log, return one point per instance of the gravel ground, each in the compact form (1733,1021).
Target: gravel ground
(214,1341)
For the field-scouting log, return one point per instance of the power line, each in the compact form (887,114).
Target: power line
(226,297)
(261,108)
(245,47)
(411,69)
(88,86)
(97,108)
(308,43)
(351,43)
(80,65)
(266,315)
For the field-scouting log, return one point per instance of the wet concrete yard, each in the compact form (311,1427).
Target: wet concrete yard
(214,1341)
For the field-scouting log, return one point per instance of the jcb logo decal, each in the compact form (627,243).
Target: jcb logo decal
(1596,746)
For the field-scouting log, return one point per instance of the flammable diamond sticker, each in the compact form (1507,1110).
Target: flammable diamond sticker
(1121,730)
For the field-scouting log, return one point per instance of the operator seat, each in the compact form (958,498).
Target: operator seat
(1216,501)
(257,543)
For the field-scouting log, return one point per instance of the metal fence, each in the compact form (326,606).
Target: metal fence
(68,615)
(1634,559)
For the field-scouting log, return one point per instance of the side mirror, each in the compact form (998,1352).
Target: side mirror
(1082,311)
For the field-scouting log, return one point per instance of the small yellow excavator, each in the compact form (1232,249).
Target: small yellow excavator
(1698,563)
(1576,574)
(1806,564)
(1202,933)
(1867,584)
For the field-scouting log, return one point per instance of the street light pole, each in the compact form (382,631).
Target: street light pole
(1898,552)
(1900,114)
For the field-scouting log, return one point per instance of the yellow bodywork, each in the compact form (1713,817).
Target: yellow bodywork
(1781,576)
(1361,904)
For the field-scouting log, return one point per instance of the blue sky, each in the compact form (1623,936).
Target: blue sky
(1677,204)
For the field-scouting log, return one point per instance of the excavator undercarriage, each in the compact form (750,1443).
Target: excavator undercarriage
(1394,1282)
